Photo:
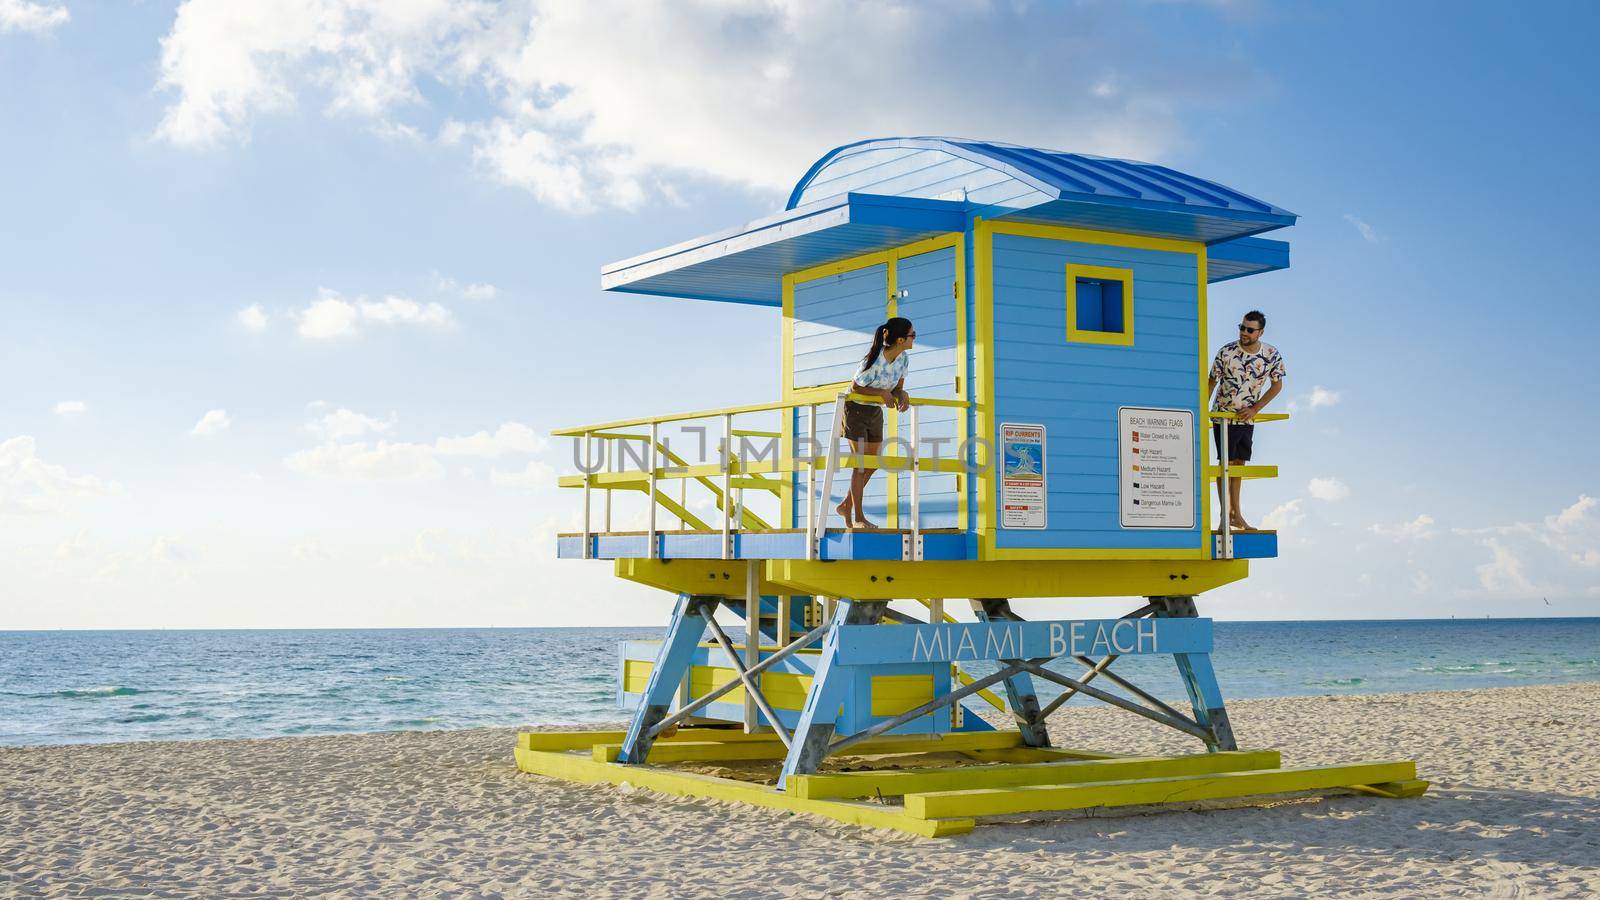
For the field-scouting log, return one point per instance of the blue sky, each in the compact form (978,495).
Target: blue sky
(291,292)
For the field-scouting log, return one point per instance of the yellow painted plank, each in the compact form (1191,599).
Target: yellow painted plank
(1394,790)
(1243,471)
(895,694)
(1138,792)
(889,579)
(1039,755)
(925,780)
(706,750)
(573,767)
(583,740)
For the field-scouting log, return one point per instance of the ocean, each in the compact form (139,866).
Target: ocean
(61,687)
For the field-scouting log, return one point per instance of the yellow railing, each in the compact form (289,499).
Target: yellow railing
(1223,470)
(732,474)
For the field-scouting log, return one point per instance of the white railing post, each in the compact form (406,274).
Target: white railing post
(727,486)
(611,466)
(916,494)
(588,481)
(655,437)
(820,519)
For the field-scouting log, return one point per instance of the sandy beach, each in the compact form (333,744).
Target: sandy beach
(1514,811)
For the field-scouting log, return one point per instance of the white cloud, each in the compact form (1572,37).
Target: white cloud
(29,485)
(383,461)
(332,316)
(253,317)
(1321,396)
(399,460)
(535,475)
(466,291)
(23,15)
(343,423)
(213,422)
(67,409)
(1573,516)
(511,437)
(1419,528)
(1368,233)
(1504,571)
(1329,489)
(310,550)
(1285,516)
(607,103)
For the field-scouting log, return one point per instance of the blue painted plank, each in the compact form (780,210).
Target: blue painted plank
(873,645)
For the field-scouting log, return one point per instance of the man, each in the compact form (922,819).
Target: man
(1245,376)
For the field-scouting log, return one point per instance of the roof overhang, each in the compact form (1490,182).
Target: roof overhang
(1245,256)
(747,264)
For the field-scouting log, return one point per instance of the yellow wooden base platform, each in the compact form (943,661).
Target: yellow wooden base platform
(995,775)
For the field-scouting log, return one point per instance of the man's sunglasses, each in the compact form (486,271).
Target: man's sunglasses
(1248,330)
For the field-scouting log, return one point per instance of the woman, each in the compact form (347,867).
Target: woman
(882,374)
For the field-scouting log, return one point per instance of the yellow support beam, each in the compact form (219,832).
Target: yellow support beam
(1243,471)
(771,748)
(889,579)
(583,740)
(692,576)
(573,767)
(898,782)
(1143,791)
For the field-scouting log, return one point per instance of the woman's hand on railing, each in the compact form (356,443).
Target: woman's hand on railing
(902,400)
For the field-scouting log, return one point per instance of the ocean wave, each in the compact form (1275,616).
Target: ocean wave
(93,693)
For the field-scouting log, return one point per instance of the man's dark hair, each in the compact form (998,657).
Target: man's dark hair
(1256,315)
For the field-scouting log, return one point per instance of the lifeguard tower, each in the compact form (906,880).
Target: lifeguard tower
(1057,446)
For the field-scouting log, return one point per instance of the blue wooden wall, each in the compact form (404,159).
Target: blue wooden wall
(833,321)
(1074,389)
(928,280)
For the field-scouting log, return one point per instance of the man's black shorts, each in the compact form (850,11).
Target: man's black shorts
(1239,440)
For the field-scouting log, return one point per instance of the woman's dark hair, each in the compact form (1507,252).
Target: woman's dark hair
(886,334)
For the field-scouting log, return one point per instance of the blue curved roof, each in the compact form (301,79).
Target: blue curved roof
(877,194)
(1045,185)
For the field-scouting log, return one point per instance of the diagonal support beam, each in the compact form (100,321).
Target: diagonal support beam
(750,685)
(1181,724)
(705,700)
(936,703)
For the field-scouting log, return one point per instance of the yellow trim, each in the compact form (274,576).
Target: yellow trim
(983,356)
(1096,577)
(1201,261)
(1123,338)
(983,276)
(786,500)
(1215,416)
(826,393)
(1090,236)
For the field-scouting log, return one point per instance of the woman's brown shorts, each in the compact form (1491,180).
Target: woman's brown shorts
(863,422)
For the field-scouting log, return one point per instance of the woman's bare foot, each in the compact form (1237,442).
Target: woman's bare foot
(843,510)
(863,523)
(1237,523)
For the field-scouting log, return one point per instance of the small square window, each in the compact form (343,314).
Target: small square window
(1099,305)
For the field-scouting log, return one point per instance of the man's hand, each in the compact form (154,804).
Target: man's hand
(1248,413)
